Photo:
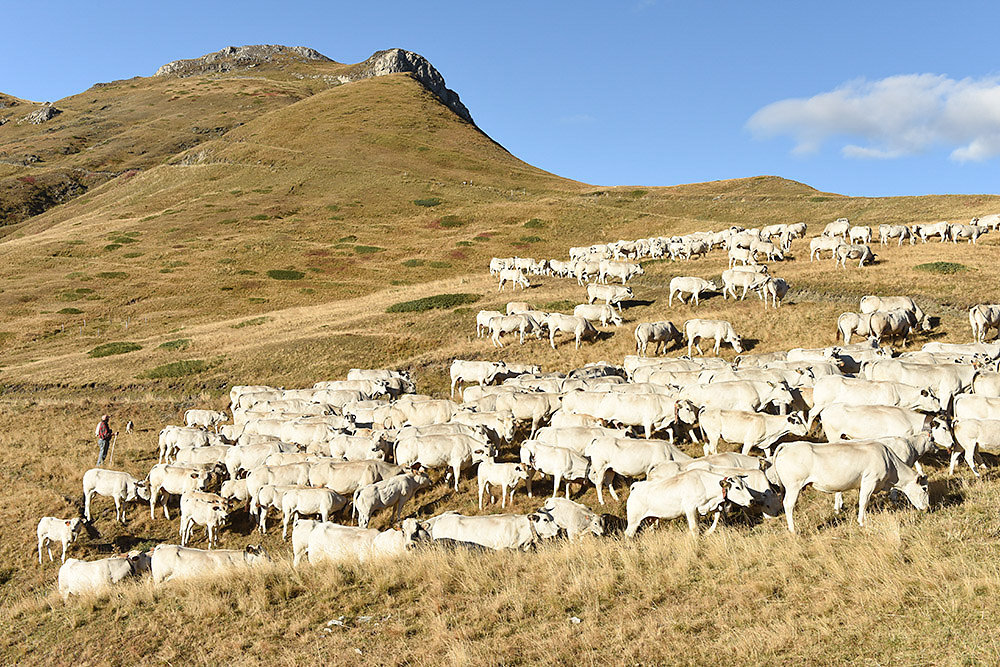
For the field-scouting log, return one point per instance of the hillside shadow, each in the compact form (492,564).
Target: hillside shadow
(637,302)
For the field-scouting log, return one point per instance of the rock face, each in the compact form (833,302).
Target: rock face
(394,61)
(238,57)
(39,116)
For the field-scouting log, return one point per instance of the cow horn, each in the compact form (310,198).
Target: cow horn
(725,483)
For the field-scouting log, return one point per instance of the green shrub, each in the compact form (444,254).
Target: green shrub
(259,216)
(367,249)
(123,239)
(286,274)
(414,262)
(638,194)
(257,299)
(451,221)
(433,302)
(108,349)
(427,203)
(112,274)
(481,238)
(246,272)
(351,238)
(70,311)
(819,199)
(176,344)
(177,369)
(228,221)
(113,246)
(534,223)
(942,267)
(464,244)
(256,321)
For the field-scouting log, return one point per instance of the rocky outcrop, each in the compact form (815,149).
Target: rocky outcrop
(238,57)
(38,116)
(394,61)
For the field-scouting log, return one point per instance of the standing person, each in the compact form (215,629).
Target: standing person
(104,434)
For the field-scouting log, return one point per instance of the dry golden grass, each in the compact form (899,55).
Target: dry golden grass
(312,175)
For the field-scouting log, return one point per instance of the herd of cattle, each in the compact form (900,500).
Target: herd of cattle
(343,451)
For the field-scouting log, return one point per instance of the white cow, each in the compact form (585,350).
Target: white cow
(858,391)
(661,333)
(453,451)
(615,269)
(579,327)
(203,509)
(481,372)
(901,232)
(971,435)
(687,494)
(734,278)
(576,519)
(483,318)
(561,463)
(51,529)
(80,577)
(597,312)
(859,234)
(393,492)
(504,324)
(751,429)
(689,285)
(514,276)
(505,475)
(696,330)
(171,561)
(982,318)
(833,468)
(333,542)
(820,244)
(746,395)
(971,233)
(936,229)
(613,295)
(837,228)
(864,422)
(627,457)
(862,253)
(301,500)
(173,480)
(204,418)
(872,303)
(120,486)
(494,531)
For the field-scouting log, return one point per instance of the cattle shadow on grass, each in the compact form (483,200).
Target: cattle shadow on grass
(632,303)
(749,344)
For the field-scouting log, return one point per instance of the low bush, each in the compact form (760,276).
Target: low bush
(351,238)
(942,267)
(109,349)
(410,263)
(253,322)
(176,344)
(437,301)
(113,246)
(451,221)
(534,223)
(177,369)
(70,311)
(427,203)
(367,249)
(286,274)
(259,216)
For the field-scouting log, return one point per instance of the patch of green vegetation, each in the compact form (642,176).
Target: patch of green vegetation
(259,216)
(818,199)
(946,268)
(84,290)
(423,149)
(481,238)
(350,238)
(228,221)
(246,272)
(531,239)
(399,282)
(227,288)
(70,311)
(257,299)
(176,344)
(333,207)
(253,322)
(113,246)
(564,304)
(534,223)
(177,369)
(638,194)
(440,265)
(112,274)
(464,244)
(433,302)
(121,239)
(428,202)
(451,221)
(118,347)
(166,270)
(367,249)
(286,274)
(307,290)
(411,263)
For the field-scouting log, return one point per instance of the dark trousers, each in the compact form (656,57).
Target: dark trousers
(104,449)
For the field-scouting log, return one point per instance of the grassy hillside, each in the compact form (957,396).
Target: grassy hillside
(255,227)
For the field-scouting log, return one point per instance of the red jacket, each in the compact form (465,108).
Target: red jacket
(103,430)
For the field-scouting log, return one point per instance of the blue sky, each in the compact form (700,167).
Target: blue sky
(861,98)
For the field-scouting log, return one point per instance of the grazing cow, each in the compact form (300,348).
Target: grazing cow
(204,418)
(171,561)
(627,457)
(345,477)
(421,412)
(248,457)
(768,249)
(51,529)
(559,462)
(573,437)
(80,577)
(204,509)
(982,318)
(741,255)
(333,542)
(173,480)
(576,519)
(839,228)
(776,288)
(696,330)
(533,407)
(481,372)
(751,429)
(494,531)
(483,318)
(849,324)
(687,494)
(300,500)
(901,232)
(862,253)
(514,276)
(681,285)
(661,333)
(393,492)
(518,307)
(833,468)
(614,269)
(505,475)
(598,313)
(858,391)
(579,327)
(613,295)
(968,232)
(820,244)
(120,486)
(971,435)
(937,229)
(891,324)
(943,380)
(300,538)
(871,303)
(745,395)
(453,451)
(859,234)
(865,422)
(748,280)
(504,324)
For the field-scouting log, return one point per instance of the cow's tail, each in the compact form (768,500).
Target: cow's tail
(354,503)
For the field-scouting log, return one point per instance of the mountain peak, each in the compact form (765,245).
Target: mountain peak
(239,57)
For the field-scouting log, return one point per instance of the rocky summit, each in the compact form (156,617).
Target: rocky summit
(238,57)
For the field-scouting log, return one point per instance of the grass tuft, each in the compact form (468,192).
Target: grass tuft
(70,311)
(118,347)
(253,322)
(430,202)
(437,301)
(176,344)
(367,249)
(946,268)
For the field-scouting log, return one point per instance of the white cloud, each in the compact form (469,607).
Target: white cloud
(892,117)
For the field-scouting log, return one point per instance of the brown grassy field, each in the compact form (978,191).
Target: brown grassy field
(372,193)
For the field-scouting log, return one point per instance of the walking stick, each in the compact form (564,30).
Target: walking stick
(111,456)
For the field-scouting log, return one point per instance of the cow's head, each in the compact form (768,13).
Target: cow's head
(941,433)
(735,491)
(256,554)
(543,525)
(140,490)
(737,342)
